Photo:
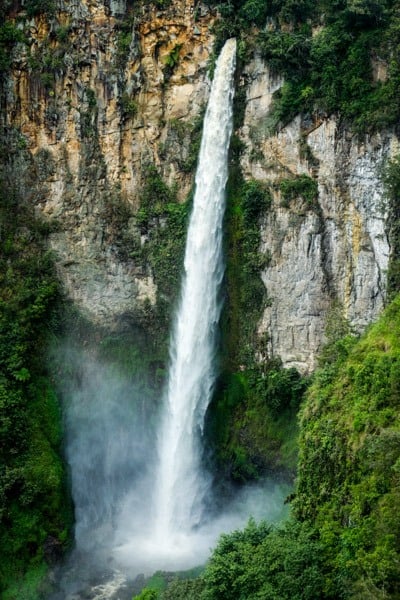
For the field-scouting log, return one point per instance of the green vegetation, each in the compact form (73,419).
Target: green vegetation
(162,220)
(155,585)
(171,61)
(252,421)
(300,187)
(46,64)
(161,4)
(184,135)
(184,589)
(129,106)
(246,204)
(124,40)
(266,562)
(183,585)
(38,7)
(391,179)
(32,7)
(330,69)
(348,481)
(35,515)
(147,594)
(173,57)
(10,35)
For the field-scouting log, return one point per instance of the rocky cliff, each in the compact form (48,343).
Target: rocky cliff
(101,92)
(333,249)
(98,93)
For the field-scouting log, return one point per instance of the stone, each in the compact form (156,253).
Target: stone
(98,152)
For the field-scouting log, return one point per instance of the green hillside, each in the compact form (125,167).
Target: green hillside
(343,540)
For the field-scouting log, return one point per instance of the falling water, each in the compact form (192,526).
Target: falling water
(111,454)
(181,485)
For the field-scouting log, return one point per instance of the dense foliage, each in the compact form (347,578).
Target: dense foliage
(391,178)
(343,540)
(252,421)
(10,35)
(247,203)
(340,56)
(349,481)
(302,187)
(34,509)
(265,562)
(162,222)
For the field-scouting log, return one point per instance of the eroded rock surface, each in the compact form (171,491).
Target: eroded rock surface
(334,251)
(109,104)
(103,91)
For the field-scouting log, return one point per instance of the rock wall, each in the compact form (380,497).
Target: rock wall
(103,90)
(333,252)
(95,100)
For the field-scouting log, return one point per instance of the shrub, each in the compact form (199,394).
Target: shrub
(391,180)
(129,106)
(264,562)
(10,35)
(302,187)
(184,589)
(164,221)
(37,7)
(34,503)
(349,456)
(146,594)
(255,200)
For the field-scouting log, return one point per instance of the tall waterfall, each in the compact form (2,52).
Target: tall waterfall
(129,514)
(181,485)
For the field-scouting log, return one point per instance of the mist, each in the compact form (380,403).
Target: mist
(111,424)
(143,499)
(109,446)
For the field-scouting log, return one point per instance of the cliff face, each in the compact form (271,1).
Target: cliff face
(96,96)
(103,91)
(332,250)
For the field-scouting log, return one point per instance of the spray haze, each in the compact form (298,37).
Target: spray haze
(109,446)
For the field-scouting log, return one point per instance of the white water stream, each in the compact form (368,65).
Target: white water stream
(174,533)
(181,485)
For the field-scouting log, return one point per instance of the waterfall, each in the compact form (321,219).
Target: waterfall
(181,485)
(131,515)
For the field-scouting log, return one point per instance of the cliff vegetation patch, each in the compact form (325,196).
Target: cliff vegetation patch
(337,57)
(35,513)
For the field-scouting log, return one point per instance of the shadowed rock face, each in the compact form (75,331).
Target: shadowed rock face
(114,91)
